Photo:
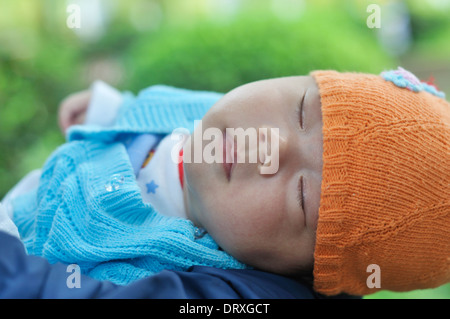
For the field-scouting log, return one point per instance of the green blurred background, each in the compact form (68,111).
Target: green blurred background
(196,44)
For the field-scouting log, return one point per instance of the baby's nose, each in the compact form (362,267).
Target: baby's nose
(271,146)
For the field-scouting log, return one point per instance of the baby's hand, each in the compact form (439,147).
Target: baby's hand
(72,109)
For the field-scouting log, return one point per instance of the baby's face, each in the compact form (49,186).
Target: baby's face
(254,216)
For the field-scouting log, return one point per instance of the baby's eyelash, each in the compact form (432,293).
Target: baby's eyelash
(300,113)
(300,198)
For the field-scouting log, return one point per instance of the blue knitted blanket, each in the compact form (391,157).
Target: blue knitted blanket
(74,216)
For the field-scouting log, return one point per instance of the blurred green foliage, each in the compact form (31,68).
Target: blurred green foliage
(442,292)
(42,60)
(220,57)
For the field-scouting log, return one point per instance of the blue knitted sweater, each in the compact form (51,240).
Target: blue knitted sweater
(114,235)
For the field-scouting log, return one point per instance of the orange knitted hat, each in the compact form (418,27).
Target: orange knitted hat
(384,217)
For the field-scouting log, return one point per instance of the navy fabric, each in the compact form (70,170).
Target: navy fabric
(25,276)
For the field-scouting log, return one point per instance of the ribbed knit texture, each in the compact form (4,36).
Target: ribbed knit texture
(113,235)
(385,187)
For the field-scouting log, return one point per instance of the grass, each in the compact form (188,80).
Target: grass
(442,292)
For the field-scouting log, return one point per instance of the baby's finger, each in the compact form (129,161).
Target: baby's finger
(72,108)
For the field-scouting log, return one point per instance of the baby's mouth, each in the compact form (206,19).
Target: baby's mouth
(229,155)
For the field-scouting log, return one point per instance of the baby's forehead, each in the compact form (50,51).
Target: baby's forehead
(273,87)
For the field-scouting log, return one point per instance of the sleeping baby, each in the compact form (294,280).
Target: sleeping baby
(320,176)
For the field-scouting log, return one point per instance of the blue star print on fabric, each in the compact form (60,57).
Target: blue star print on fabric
(151,187)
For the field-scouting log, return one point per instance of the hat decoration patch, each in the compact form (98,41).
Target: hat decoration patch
(405,79)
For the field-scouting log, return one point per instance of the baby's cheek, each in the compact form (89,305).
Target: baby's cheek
(229,228)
